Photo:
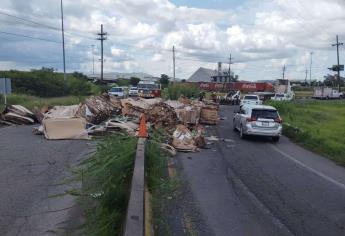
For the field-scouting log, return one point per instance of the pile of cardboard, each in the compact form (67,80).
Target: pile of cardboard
(102,114)
(209,115)
(62,122)
(161,115)
(97,109)
(17,115)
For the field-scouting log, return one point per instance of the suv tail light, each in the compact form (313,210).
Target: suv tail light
(251,119)
(278,120)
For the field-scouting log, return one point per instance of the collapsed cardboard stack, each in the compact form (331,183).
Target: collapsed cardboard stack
(17,115)
(98,115)
(209,115)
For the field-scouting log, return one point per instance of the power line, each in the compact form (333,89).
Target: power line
(27,36)
(39,38)
(25,21)
(31,21)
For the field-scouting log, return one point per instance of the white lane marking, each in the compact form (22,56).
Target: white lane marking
(340,185)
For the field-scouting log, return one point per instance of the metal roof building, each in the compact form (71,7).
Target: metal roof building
(202,75)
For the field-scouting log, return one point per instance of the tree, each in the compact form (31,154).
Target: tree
(134,81)
(164,80)
(122,82)
(332,80)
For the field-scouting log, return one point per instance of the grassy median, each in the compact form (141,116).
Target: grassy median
(106,179)
(32,101)
(317,125)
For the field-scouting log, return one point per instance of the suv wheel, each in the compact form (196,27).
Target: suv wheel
(275,139)
(233,125)
(242,135)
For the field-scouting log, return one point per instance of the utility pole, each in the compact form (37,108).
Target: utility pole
(284,68)
(63,46)
(102,37)
(93,59)
(338,68)
(174,63)
(230,68)
(306,76)
(311,63)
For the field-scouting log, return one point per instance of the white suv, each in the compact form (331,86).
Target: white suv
(258,120)
(250,99)
(133,91)
(117,91)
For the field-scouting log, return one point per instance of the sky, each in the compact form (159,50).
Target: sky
(261,36)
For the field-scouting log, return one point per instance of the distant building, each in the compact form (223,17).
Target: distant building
(113,76)
(202,75)
(208,75)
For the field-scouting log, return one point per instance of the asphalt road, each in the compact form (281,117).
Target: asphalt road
(257,187)
(33,171)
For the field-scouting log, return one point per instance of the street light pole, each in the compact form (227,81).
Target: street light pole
(63,45)
(311,62)
(93,59)
(338,66)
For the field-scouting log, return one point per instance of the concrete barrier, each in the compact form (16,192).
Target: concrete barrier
(135,218)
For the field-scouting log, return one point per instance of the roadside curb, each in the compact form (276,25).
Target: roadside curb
(136,204)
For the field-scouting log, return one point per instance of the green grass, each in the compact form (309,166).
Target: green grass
(174,91)
(31,101)
(106,178)
(317,125)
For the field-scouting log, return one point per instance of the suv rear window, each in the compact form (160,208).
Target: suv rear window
(266,114)
(116,90)
(250,97)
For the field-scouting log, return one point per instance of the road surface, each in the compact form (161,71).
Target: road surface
(257,187)
(33,170)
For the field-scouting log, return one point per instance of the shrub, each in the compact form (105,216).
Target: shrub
(106,178)
(174,91)
(47,83)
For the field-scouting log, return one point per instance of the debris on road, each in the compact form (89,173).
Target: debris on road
(209,115)
(170,149)
(189,114)
(17,115)
(62,122)
(116,125)
(99,115)
(183,139)
(161,115)
(212,138)
(135,107)
(65,128)
(97,109)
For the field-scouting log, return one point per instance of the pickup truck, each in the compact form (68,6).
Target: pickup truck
(327,93)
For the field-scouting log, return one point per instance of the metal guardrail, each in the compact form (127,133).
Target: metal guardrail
(135,219)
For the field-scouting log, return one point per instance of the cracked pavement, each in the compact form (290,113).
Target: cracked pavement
(33,171)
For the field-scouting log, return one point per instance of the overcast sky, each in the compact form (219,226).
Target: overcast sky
(262,36)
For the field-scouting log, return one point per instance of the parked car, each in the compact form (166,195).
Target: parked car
(283,96)
(133,91)
(117,91)
(258,120)
(251,99)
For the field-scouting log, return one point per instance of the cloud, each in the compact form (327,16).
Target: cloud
(141,34)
